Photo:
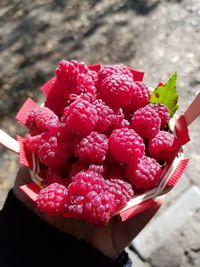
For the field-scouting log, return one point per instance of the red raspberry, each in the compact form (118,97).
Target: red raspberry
(145,173)
(52,199)
(164,146)
(109,70)
(125,145)
(92,148)
(69,71)
(77,76)
(146,122)
(140,97)
(53,151)
(163,113)
(32,142)
(80,117)
(106,116)
(121,190)
(117,90)
(42,118)
(87,199)
(72,77)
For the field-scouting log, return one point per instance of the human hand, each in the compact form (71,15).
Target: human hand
(110,240)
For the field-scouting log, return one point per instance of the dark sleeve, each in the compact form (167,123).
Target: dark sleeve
(27,240)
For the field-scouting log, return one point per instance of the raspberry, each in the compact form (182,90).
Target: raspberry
(163,113)
(69,71)
(72,77)
(109,70)
(164,146)
(121,190)
(125,145)
(43,118)
(146,122)
(77,76)
(116,90)
(145,173)
(107,116)
(87,199)
(80,117)
(52,199)
(92,148)
(53,151)
(32,142)
(140,97)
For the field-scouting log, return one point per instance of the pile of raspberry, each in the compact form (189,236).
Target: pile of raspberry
(99,141)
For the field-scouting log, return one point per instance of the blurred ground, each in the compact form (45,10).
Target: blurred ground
(159,37)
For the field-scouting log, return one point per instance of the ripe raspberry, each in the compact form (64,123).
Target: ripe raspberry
(80,117)
(109,70)
(164,146)
(32,142)
(125,145)
(121,190)
(144,173)
(146,122)
(163,113)
(87,199)
(106,115)
(69,78)
(52,199)
(53,151)
(69,71)
(92,148)
(140,97)
(117,90)
(42,118)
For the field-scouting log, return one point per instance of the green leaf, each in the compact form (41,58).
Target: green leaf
(167,95)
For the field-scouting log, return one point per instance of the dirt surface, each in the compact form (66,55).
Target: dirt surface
(159,37)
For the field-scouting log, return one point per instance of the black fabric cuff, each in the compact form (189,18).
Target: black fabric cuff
(30,240)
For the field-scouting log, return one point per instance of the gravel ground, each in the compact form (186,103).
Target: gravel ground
(159,37)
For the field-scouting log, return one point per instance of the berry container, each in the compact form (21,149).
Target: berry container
(171,171)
